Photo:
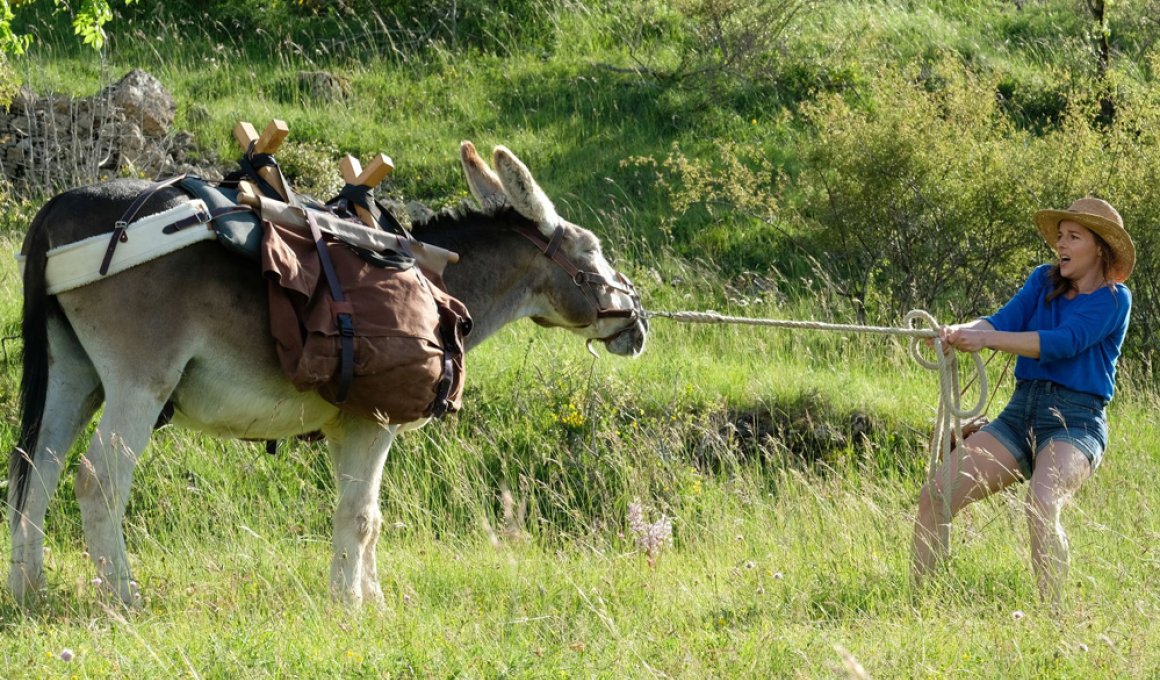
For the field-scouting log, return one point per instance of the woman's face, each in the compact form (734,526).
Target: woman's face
(1079,256)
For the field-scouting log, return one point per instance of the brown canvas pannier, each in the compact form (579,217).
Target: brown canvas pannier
(407,332)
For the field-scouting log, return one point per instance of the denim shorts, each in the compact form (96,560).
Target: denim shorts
(1041,412)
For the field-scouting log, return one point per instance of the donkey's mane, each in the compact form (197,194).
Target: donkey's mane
(464,224)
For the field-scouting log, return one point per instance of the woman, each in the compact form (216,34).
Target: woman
(1067,326)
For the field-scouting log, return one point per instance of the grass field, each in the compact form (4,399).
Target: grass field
(788,463)
(773,571)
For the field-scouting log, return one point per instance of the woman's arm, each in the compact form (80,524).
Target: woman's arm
(977,334)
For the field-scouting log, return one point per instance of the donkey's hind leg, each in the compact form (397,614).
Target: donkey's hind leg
(359,450)
(72,396)
(106,472)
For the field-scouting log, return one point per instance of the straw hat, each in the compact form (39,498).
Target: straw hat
(1101,218)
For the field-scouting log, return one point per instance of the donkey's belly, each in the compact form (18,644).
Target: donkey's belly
(231,401)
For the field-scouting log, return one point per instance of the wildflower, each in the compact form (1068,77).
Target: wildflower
(750,564)
(650,538)
(778,576)
(66,655)
(1017,614)
(1083,648)
(96,581)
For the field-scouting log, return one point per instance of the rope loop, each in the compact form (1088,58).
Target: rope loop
(946,364)
(910,320)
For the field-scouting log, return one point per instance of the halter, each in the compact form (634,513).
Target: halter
(587,282)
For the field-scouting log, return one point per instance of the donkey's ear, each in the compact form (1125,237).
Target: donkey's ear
(484,185)
(525,195)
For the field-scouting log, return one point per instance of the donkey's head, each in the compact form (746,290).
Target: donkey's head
(582,291)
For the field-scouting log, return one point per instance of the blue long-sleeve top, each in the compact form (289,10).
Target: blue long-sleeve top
(1079,339)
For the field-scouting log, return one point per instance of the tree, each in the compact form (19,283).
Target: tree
(1101,45)
(89,19)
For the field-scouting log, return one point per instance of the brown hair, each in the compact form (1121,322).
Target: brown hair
(1060,285)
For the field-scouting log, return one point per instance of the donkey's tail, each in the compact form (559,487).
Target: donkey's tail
(34,378)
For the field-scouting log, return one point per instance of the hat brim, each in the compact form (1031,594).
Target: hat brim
(1117,238)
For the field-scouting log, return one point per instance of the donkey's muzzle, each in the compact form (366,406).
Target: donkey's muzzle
(630,340)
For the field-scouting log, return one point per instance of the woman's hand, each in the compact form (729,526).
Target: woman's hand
(963,338)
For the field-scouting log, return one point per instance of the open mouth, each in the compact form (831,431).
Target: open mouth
(628,340)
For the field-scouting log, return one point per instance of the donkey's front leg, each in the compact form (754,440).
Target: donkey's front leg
(103,479)
(359,450)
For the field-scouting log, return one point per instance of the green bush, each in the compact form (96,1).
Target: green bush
(915,199)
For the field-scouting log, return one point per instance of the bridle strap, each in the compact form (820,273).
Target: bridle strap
(585,281)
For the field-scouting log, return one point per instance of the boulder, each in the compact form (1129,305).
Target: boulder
(143,98)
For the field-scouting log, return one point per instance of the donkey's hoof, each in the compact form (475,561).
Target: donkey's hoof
(125,595)
(372,594)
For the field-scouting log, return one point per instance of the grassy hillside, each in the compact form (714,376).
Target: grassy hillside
(860,159)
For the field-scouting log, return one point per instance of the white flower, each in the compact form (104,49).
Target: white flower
(650,538)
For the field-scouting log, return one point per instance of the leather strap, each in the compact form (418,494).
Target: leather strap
(202,218)
(357,196)
(251,162)
(585,281)
(344,311)
(119,235)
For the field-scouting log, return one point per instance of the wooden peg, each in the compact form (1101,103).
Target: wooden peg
(354,174)
(272,137)
(376,172)
(248,194)
(350,169)
(245,133)
(270,141)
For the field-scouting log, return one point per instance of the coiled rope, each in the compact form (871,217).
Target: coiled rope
(950,415)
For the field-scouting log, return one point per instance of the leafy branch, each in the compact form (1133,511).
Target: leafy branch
(89,20)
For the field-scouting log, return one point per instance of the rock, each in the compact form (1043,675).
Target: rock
(143,98)
(419,212)
(24,100)
(323,86)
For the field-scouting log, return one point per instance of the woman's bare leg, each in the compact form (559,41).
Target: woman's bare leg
(1060,469)
(984,466)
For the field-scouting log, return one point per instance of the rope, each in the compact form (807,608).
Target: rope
(950,414)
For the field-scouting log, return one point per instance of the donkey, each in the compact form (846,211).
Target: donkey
(190,329)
